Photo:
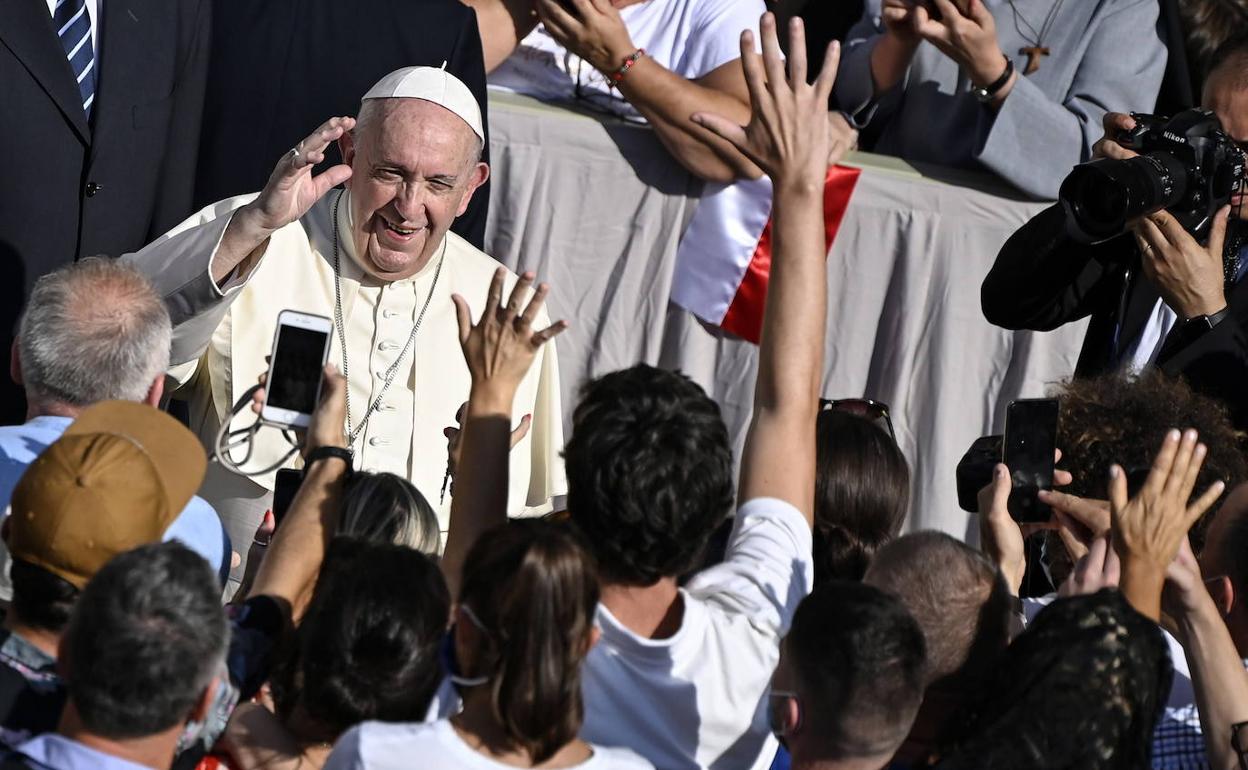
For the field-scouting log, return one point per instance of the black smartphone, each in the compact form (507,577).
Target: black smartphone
(1028,448)
(288,481)
(300,349)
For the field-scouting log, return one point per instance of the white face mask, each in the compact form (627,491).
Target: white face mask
(452,664)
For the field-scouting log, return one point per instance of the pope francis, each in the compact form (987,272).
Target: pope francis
(378,259)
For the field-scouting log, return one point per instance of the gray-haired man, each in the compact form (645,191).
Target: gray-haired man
(93,331)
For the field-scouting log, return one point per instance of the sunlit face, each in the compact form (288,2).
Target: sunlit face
(414,169)
(1229,101)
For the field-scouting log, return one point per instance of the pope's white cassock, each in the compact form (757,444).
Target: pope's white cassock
(221,338)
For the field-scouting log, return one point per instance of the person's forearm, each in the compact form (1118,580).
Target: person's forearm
(790,365)
(481,479)
(889,61)
(1141,585)
(667,101)
(294,557)
(1219,679)
(242,245)
(503,24)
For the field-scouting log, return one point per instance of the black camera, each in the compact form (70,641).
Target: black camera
(1187,165)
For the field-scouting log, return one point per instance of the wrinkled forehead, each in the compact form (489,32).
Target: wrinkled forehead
(412,131)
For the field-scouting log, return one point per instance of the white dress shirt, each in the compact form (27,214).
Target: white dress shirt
(93,11)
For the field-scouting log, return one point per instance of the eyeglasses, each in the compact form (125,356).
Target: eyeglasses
(876,411)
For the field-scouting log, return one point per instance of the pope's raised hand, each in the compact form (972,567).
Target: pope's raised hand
(292,187)
(290,192)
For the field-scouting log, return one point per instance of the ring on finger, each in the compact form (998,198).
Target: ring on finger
(295,157)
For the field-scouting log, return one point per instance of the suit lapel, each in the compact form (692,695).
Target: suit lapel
(27,31)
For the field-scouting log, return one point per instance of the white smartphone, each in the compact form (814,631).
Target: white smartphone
(300,349)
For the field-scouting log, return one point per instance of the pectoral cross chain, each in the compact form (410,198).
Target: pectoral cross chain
(1033,54)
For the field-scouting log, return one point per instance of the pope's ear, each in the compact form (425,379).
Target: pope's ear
(346,146)
(476,178)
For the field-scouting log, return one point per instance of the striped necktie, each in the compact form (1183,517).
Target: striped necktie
(73,25)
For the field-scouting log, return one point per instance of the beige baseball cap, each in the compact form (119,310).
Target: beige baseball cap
(433,85)
(115,480)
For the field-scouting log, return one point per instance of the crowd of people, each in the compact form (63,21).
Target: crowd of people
(453,582)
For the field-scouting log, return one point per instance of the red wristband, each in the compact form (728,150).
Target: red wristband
(629,63)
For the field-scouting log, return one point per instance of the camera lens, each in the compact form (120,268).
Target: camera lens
(1101,197)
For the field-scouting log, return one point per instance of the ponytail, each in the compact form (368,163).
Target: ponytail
(534,589)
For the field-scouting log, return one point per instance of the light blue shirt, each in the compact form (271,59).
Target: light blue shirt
(56,752)
(198,526)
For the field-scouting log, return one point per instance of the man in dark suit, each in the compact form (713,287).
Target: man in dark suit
(1155,295)
(100,106)
(279,66)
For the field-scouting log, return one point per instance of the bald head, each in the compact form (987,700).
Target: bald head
(93,331)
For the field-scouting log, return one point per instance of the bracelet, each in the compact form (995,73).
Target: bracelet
(324,452)
(629,63)
(986,93)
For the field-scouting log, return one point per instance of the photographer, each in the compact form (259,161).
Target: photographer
(1156,296)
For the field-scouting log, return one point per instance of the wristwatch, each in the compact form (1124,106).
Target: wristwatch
(323,452)
(1203,323)
(987,93)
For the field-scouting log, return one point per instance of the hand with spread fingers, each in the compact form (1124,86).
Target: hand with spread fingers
(502,345)
(1188,276)
(788,134)
(292,189)
(1149,528)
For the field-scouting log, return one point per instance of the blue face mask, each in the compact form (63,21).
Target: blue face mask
(777,715)
(450,663)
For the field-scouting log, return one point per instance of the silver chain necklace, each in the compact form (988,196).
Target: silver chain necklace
(393,369)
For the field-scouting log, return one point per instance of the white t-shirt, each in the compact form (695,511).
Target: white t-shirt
(436,746)
(698,698)
(689,37)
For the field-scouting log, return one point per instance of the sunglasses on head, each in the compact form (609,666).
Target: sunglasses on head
(875,411)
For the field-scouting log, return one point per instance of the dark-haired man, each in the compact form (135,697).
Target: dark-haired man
(962,603)
(1156,297)
(850,679)
(115,480)
(145,652)
(681,672)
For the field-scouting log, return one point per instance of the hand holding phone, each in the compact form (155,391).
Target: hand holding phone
(1028,451)
(293,384)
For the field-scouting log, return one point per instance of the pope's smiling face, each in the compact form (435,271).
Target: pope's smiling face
(414,168)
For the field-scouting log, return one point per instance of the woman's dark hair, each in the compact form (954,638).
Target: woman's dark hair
(40,599)
(649,469)
(862,494)
(533,587)
(385,508)
(368,646)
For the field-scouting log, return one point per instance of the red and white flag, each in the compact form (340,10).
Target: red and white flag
(725,255)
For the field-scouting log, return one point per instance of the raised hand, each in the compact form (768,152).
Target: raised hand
(1149,528)
(289,193)
(292,188)
(965,32)
(788,135)
(1152,525)
(501,347)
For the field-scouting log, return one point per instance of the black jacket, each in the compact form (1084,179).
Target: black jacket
(70,189)
(280,68)
(1043,279)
